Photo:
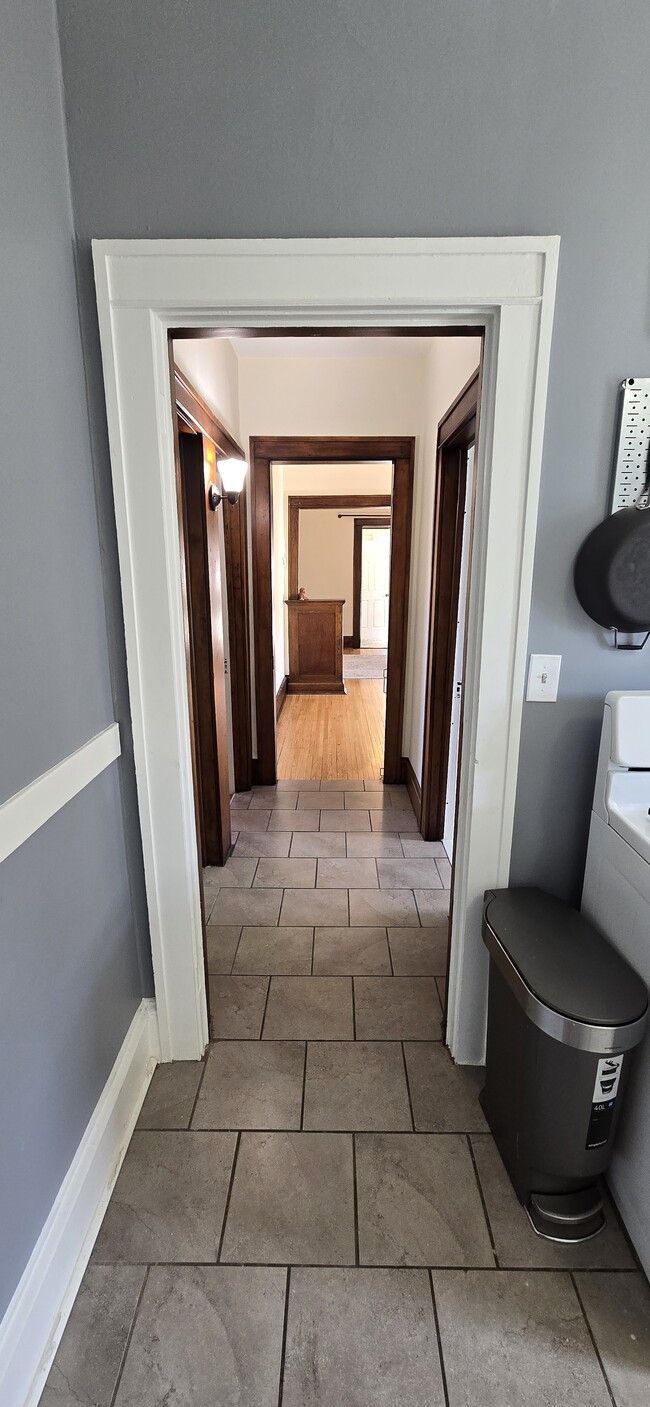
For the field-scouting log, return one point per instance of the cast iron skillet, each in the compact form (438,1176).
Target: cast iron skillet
(612,570)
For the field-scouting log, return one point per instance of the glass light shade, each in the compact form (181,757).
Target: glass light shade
(232,473)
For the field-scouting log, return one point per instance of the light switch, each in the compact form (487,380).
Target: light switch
(543,677)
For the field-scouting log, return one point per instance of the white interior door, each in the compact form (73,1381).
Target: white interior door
(459,659)
(375,581)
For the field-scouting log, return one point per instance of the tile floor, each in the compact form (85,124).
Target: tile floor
(315,1215)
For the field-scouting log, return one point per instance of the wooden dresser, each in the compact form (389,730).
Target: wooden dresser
(315,647)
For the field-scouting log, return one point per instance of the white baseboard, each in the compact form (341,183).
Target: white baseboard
(35,1320)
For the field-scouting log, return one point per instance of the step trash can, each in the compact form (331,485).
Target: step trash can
(565,1012)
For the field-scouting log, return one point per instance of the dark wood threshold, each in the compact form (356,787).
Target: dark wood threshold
(412,786)
(280,698)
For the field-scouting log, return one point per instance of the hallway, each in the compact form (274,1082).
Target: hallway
(315,1214)
(333,736)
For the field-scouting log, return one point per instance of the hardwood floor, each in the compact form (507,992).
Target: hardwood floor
(333,736)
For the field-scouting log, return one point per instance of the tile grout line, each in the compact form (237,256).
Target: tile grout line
(408,1086)
(266,1002)
(585,1316)
(232,972)
(354,1011)
(313,948)
(304,1089)
(390,952)
(229,1194)
(198,1091)
(355,1195)
(436,1321)
(285,1324)
(120,1371)
(483,1201)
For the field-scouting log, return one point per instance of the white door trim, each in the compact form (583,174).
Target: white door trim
(145,287)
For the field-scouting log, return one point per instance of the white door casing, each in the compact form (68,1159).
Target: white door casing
(144,288)
(375,579)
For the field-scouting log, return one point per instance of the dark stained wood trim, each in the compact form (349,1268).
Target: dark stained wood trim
(235,529)
(280,698)
(190,334)
(359,525)
(456,431)
(304,450)
(412,786)
(296,502)
(194,409)
(199,418)
(348,642)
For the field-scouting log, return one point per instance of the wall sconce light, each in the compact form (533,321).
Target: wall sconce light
(232,473)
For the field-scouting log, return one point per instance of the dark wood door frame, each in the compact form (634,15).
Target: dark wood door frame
(296,502)
(456,432)
(295,450)
(357,564)
(205,634)
(194,412)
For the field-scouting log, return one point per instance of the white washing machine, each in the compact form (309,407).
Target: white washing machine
(616,898)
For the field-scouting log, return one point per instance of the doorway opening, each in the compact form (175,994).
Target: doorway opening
(145,290)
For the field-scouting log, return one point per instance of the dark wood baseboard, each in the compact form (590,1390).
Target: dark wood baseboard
(412,786)
(349,643)
(280,698)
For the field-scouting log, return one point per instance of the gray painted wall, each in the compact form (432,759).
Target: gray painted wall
(190,118)
(72,974)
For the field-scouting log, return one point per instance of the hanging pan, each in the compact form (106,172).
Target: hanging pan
(612,571)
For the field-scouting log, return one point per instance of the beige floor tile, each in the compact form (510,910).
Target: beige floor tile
(419,1203)
(420,952)
(515,1339)
(516,1244)
(347,874)
(355,1085)
(312,906)
(433,906)
(345,820)
(372,845)
(169,1199)
(251,1085)
(292,1200)
(361,1337)
(359,801)
(221,945)
(257,820)
(303,784)
(247,906)
(397,1009)
(278,801)
(273,950)
(351,951)
(393,821)
(89,1357)
(618,1312)
(343,786)
(415,848)
(391,907)
(285,874)
(321,801)
(444,870)
(408,874)
(206,1335)
(294,820)
(444,1095)
(314,844)
(255,844)
(237,1007)
(309,1009)
(170,1097)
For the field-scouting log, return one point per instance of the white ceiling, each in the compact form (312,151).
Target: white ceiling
(249,347)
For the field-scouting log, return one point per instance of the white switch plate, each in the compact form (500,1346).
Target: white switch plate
(543,677)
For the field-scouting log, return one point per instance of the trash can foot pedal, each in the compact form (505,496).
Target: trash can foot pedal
(567,1216)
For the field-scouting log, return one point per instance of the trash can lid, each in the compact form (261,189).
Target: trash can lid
(563,959)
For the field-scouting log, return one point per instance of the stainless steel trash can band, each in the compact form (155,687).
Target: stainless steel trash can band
(599,1040)
(564,1011)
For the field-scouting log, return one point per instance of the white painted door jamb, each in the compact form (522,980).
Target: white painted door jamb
(144,287)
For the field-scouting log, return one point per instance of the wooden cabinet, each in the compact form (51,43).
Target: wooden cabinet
(315,647)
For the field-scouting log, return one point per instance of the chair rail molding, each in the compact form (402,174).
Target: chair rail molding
(145,288)
(25,812)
